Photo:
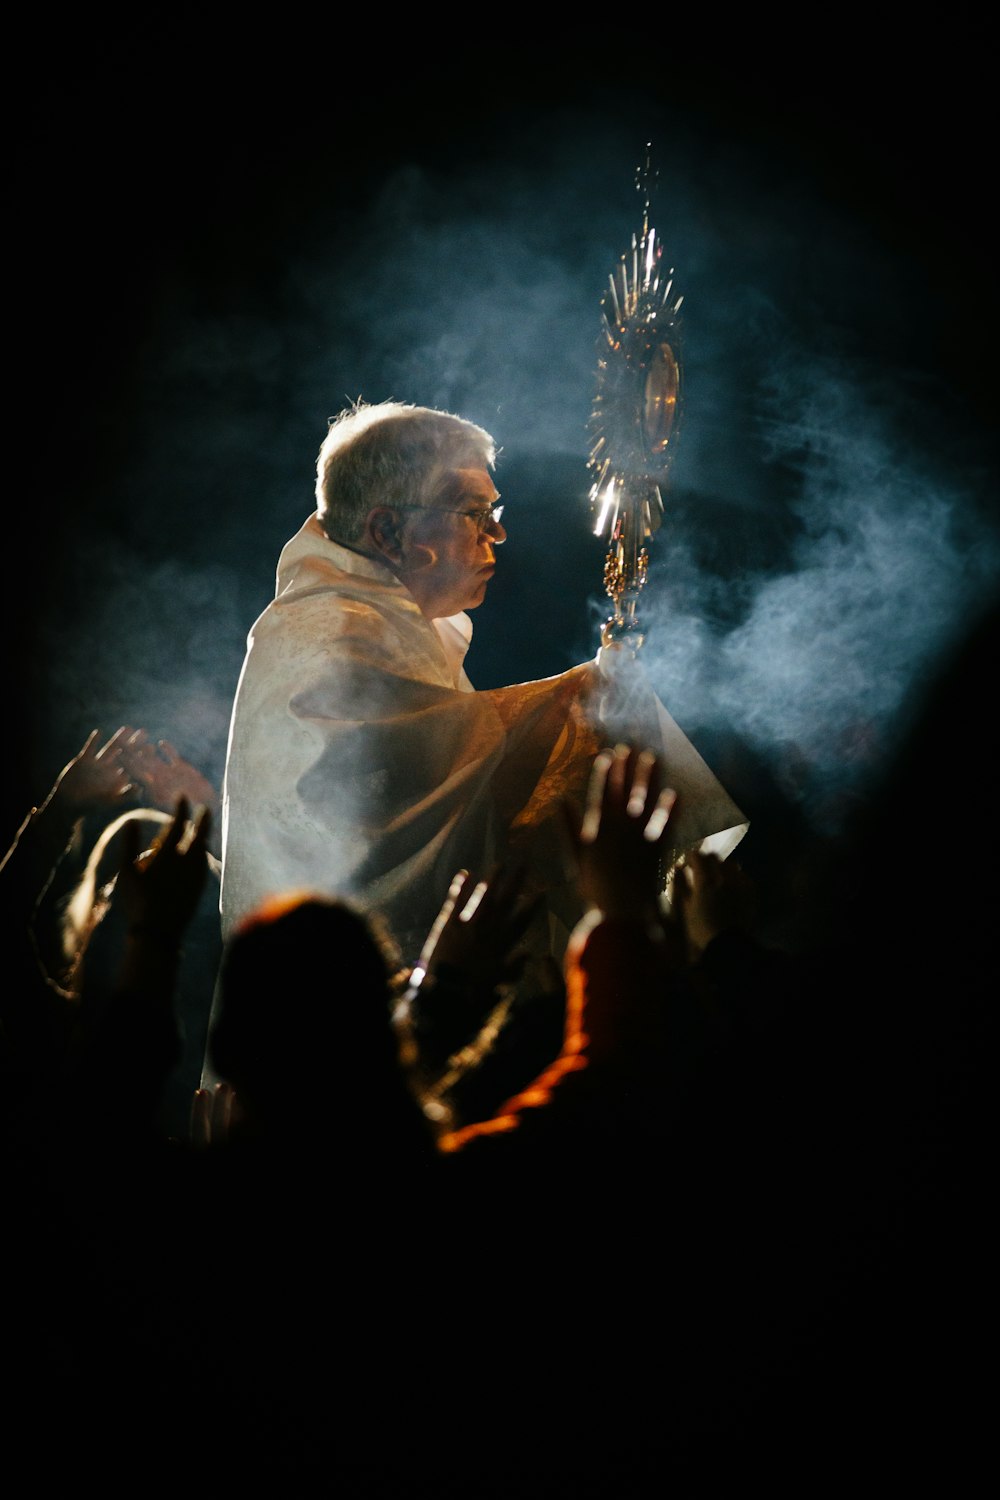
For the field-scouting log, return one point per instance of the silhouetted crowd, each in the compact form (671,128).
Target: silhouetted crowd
(694,1212)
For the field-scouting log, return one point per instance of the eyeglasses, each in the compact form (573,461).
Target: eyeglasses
(482,517)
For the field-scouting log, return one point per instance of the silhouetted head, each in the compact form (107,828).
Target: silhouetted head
(304,1030)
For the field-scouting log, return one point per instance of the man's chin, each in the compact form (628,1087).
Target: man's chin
(478,594)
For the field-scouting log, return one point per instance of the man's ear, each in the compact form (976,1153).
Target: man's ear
(382,533)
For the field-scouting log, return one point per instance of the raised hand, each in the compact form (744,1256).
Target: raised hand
(98,776)
(620,838)
(478,929)
(709,896)
(163,775)
(128,768)
(158,892)
(471,953)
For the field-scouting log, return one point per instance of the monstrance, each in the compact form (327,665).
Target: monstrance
(634,420)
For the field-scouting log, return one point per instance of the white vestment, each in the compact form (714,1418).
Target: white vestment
(362,764)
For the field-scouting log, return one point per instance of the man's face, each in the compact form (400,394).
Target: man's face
(449,554)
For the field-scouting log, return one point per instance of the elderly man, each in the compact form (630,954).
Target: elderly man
(361,763)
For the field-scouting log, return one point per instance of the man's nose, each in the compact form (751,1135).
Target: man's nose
(496,531)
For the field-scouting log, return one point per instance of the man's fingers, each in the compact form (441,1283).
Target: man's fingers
(472,904)
(660,816)
(202,828)
(619,772)
(115,743)
(596,788)
(644,788)
(177,826)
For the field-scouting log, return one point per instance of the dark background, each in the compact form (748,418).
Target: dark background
(221,239)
